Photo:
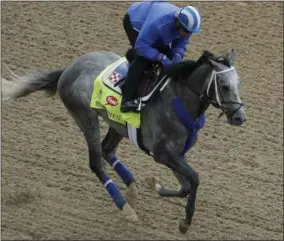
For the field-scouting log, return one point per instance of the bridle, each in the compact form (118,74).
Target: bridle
(212,85)
(218,103)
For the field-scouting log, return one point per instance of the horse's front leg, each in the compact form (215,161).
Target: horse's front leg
(163,191)
(179,165)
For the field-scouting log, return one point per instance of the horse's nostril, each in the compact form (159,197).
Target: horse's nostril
(239,119)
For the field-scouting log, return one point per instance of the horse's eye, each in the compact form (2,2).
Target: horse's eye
(225,88)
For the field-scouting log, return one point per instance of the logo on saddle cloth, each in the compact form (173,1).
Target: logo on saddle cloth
(111,100)
(115,77)
(107,95)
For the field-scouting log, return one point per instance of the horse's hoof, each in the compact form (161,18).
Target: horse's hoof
(132,194)
(153,183)
(183,226)
(129,213)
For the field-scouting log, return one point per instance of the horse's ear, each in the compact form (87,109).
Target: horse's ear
(213,62)
(232,56)
(207,54)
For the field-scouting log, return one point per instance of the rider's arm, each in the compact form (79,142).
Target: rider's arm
(146,38)
(179,46)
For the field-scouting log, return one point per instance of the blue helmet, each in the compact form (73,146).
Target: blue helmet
(189,19)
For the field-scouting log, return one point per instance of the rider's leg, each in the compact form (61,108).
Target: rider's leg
(132,83)
(132,35)
(129,30)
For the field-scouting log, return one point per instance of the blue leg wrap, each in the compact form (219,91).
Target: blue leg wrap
(124,173)
(118,199)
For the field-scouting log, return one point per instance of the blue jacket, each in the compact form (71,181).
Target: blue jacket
(155,22)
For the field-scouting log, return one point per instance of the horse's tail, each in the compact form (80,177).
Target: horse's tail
(22,86)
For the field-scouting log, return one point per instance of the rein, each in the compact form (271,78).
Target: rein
(219,104)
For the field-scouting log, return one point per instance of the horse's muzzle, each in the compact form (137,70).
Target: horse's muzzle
(236,120)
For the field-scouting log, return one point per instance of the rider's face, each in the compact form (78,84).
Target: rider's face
(183,33)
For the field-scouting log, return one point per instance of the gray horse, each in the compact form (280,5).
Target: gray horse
(169,124)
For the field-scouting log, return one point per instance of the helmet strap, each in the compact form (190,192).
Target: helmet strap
(177,24)
(178,13)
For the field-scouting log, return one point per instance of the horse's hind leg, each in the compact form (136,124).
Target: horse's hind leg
(109,146)
(87,120)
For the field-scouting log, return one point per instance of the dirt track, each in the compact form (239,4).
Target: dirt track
(48,191)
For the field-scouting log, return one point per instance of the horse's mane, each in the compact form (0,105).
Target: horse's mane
(186,67)
(224,58)
(182,70)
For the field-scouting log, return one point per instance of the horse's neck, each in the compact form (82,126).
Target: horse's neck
(190,91)
(197,80)
(190,99)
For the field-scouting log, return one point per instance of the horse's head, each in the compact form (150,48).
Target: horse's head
(223,87)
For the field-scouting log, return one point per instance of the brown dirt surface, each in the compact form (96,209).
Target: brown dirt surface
(48,190)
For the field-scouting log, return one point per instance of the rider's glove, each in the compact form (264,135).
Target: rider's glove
(176,58)
(166,62)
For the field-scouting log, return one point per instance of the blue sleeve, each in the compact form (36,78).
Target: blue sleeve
(146,38)
(179,45)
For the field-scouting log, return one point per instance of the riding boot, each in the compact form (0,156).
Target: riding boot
(132,83)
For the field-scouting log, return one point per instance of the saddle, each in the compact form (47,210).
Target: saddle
(155,79)
(151,76)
